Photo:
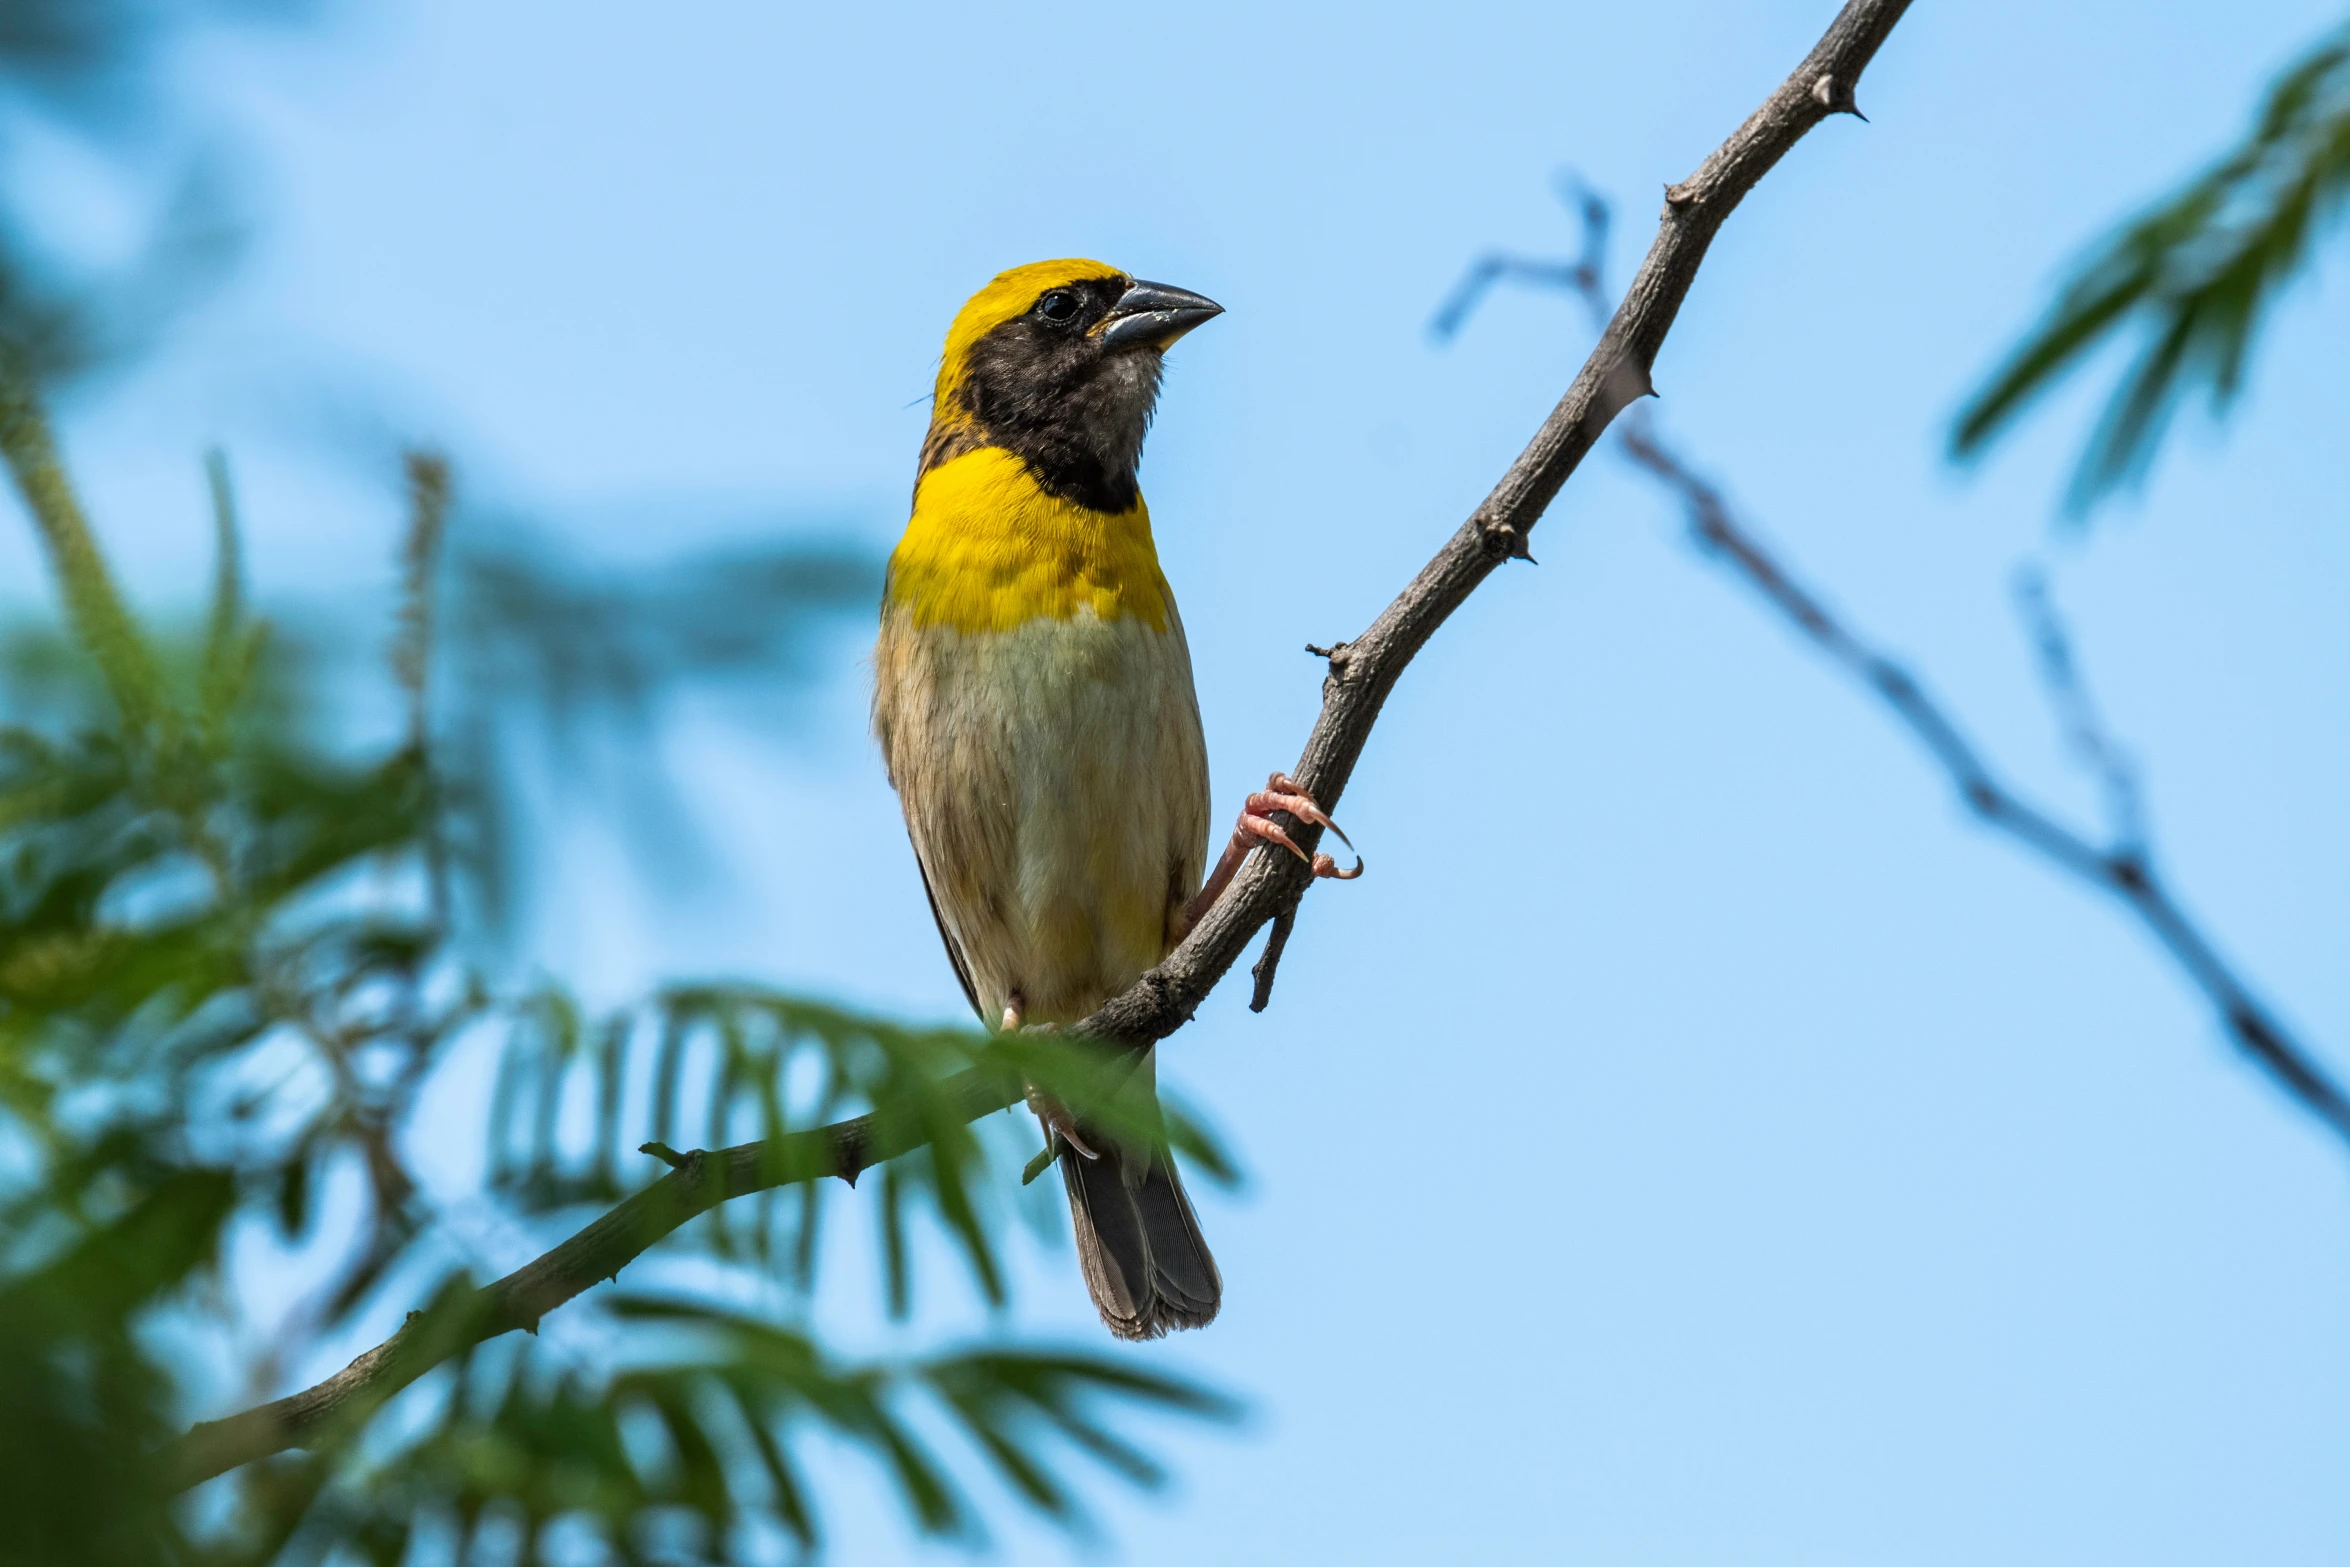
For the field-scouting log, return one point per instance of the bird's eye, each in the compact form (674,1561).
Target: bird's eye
(1058,306)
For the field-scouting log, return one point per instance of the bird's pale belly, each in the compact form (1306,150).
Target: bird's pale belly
(1055,786)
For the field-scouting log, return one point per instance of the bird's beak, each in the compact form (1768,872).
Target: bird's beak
(1154,315)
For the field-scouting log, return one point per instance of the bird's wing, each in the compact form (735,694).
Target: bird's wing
(1183,774)
(954,952)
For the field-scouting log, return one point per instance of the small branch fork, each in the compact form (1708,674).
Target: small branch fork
(1361,674)
(1580,276)
(2076,714)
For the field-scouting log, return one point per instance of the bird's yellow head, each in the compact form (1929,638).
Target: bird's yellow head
(1058,363)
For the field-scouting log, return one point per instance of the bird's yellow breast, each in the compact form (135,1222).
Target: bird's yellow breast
(988,549)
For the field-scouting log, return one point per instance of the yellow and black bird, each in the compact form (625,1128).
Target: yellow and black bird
(1034,704)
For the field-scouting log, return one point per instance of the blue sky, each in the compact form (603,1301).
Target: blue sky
(1719,1149)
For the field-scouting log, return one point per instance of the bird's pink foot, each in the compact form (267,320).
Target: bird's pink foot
(1256,826)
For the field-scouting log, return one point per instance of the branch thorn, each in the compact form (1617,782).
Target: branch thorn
(1836,97)
(1507,542)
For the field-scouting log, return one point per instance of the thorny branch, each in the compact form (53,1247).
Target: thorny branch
(2123,866)
(1361,674)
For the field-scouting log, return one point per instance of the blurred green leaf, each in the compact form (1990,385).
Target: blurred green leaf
(2197,275)
(731,1398)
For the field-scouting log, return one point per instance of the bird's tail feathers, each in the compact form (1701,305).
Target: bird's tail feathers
(1145,1262)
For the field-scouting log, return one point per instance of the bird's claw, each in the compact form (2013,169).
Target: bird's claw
(1281,793)
(1256,826)
(1325,866)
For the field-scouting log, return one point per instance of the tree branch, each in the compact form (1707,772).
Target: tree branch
(1361,675)
(1364,671)
(696,1183)
(2125,869)
(2076,714)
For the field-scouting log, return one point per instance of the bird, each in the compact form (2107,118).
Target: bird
(1034,706)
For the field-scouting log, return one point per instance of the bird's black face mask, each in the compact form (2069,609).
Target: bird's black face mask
(1068,387)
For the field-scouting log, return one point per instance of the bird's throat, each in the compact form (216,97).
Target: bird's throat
(990,548)
(1078,427)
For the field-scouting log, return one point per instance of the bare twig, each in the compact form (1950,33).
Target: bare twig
(1580,276)
(1361,674)
(1269,961)
(2076,714)
(2124,868)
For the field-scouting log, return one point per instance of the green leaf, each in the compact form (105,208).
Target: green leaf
(228,651)
(94,606)
(2197,275)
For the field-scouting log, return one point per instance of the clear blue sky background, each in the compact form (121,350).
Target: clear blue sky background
(1693,1141)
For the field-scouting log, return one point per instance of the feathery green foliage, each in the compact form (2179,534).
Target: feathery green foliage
(231,969)
(686,1453)
(2197,274)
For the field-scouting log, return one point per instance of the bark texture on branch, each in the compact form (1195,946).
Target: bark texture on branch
(1361,675)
